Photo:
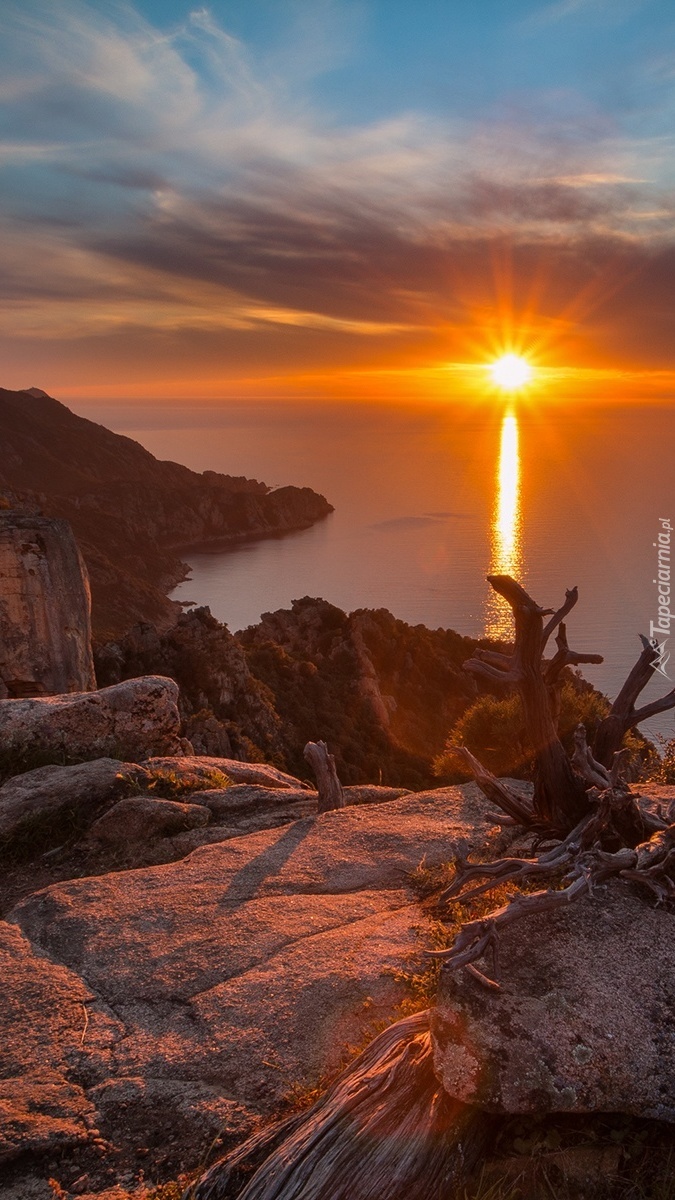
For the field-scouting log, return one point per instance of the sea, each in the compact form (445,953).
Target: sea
(431,499)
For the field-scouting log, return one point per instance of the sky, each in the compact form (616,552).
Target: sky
(336,198)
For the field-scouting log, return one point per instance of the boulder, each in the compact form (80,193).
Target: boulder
(238,772)
(83,788)
(132,720)
(584,1019)
(140,818)
(243,808)
(222,982)
(45,604)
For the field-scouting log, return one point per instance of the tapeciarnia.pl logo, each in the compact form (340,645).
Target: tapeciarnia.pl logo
(661,627)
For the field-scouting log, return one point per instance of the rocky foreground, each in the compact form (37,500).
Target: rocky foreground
(153,1016)
(150,1011)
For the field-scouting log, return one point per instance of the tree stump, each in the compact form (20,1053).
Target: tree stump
(328,785)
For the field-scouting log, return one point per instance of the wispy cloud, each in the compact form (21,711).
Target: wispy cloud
(173,181)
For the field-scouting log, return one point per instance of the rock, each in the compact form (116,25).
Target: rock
(244,808)
(47,792)
(139,818)
(41,1107)
(132,720)
(372,793)
(239,772)
(583,1022)
(223,980)
(251,800)
(45,626)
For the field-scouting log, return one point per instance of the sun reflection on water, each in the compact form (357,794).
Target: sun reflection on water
(506,550)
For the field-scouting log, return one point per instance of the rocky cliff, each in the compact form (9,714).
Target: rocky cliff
(130,512)
(45,628)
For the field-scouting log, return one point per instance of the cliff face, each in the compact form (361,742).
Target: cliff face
(131,512)
(45,630)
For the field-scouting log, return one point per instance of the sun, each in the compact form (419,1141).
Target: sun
(510,372)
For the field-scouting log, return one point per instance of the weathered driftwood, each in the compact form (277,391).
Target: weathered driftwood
(327,782)
(512,802)
(384,1128)
(559,795)
(623,714)
(604,843)
(585,764)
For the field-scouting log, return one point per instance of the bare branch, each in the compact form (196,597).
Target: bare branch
(586,765)
(623,715)
(637,679)
(506,798)
(651,710)
(474,938)
(514,870)
(515,595)
(476,667)
(565,657)
(618,762)
(571,597)
(490,984)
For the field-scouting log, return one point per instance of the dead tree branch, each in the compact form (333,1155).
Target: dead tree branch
(560,793)
(508,799)
(623,714)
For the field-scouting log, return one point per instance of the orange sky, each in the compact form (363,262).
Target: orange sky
(197,209)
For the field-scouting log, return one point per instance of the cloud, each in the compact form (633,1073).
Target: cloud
(170,181)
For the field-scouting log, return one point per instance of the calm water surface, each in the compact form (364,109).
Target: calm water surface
(427,502)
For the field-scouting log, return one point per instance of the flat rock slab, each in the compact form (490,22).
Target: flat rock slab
(218,983)
(44,1014)
(585,1018)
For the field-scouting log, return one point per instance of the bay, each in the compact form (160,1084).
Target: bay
(428,500)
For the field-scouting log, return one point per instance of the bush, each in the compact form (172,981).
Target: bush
(493,729)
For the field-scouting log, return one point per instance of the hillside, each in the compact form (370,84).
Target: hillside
(382,693)
(131,513)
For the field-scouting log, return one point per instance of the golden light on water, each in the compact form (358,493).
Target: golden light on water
(506,551)
(510,372)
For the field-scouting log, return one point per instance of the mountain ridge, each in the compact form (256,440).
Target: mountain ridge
(131,512)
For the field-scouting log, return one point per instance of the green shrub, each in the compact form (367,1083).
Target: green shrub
(493,729)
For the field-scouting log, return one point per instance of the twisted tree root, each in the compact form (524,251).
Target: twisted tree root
(386,1123)
(650,864)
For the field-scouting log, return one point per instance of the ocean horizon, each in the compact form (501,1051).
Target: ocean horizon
(429,500)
